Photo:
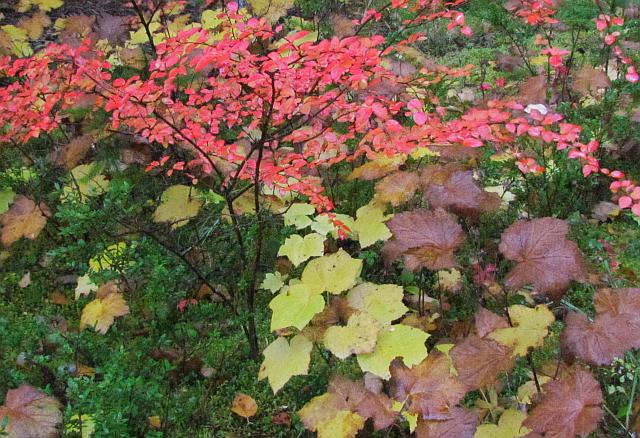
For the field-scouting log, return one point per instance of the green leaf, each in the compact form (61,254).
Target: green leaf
(295,307)
(332,273)
(6,198)
(395,341)
(178,204)
(283,360)
(381,301)
(299,249)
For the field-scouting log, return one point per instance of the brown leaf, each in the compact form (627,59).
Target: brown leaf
(112,28)
(508,62)
(533,90)
(283,418)
(31,413)
(546,259)
(589,80)
(342,26)
(58,298)
(397,188)
(73,152)
(24,219)
(480,361)
(569,407)
(244,405)
(428,388)
(425,239)
(452,188)
(455,152)
(462,424)
(614,330)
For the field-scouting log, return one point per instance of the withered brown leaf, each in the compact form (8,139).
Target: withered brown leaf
(31,413)
(461,424)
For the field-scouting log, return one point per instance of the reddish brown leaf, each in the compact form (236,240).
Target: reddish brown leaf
(31,413)
(71,154)
(244,405)
(454,188)
(546,259)
(366,403)
(455,152)
(508,62)
(112,28)
(479,361)
(428,388)
(569,407)
(397,188)
(614,330)
(462,424)
(425,239)
(533,90)
(487,321)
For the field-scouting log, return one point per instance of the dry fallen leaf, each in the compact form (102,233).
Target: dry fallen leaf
(244,405)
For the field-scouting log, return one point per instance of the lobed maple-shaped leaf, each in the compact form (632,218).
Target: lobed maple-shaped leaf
(377,168)
(454,188)
(533,90)
(428,388)
(546,259)
(332,273)
(283,360)
(24,219)
(357,337)
(295,306)
(424,239)
(529,328)
(569,407)
(479,361)
(345,405)
(30,413)
(394,341)
(614,330)
(102,312)
(382,301)
(298,249)
(461,424)
(370,225)
(178,204)
(397,188)
(112,28)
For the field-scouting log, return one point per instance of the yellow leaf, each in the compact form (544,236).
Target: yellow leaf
(108,256)
(88,180)
(527,391)
(370,225)
(332,273)
(345,424)
(102,312)
(509,426)
(298,215)
(272,10)
(357,337)
(381,301)
(85,286)
(395,341)
(283,360)
(299,249)
(273,282)
(14,40)
(34,25)
(44,5)
(178,204)
(529,328)
(295,307)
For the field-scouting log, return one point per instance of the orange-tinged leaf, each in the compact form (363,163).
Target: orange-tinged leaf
(244,405)
(24,219)
(588,80)
(31,413)
(102,312)
(377,168)
(73,152)
(34,25)
(396,188)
